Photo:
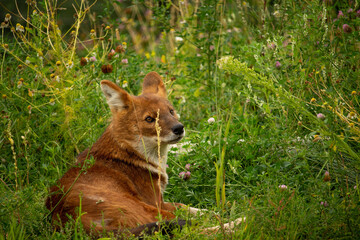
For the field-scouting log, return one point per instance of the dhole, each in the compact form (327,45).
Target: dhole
(123,188)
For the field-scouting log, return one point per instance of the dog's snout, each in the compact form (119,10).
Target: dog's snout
(178,129)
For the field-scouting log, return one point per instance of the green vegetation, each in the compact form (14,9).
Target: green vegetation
(268,91)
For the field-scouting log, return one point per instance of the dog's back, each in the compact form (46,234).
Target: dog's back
(123,188)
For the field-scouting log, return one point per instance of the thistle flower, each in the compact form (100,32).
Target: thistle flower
(211,120)
(347,28)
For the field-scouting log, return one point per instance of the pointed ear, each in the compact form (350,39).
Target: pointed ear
(154,84)
(116,97)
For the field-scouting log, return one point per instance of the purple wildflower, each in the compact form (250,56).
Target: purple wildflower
(185,175)
(125,61)
(278,64)
(340,14)
(320,116)
(187,166)
(282,187)
(327,176)
(325,204)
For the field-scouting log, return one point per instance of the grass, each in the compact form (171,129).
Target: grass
(279,79)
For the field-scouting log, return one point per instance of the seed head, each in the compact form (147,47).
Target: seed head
(83,61)
(119,49)
(347,28)
(107,68)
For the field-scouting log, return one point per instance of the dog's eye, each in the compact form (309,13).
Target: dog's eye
(149,119)
(172,112)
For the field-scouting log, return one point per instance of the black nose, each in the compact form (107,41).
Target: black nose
(178,129)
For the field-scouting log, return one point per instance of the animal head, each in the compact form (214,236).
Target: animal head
(134,117)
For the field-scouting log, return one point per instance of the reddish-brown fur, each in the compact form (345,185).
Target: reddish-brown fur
(120,190)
